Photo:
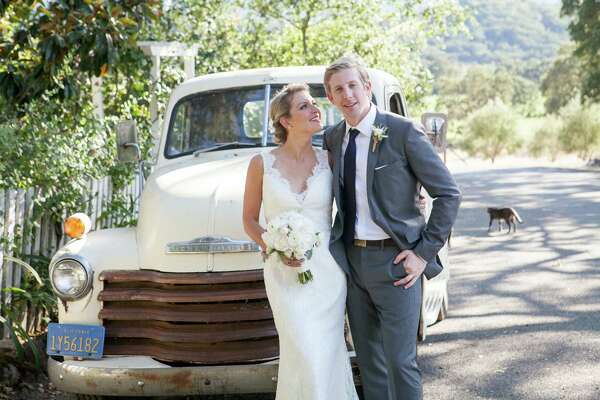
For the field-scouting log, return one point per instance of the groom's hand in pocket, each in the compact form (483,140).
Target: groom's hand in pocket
(413,265)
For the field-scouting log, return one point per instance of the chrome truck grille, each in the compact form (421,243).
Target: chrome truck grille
(199,318)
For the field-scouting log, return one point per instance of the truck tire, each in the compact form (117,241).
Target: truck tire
(422,332)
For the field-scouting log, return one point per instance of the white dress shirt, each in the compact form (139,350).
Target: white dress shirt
(365,228)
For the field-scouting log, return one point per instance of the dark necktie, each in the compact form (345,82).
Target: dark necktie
(350,188)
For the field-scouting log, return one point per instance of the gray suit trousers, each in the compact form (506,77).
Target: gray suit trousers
(384,321)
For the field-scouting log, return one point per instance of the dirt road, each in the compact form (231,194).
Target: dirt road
(524,321)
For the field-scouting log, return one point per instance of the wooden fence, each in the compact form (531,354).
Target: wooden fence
(17,211)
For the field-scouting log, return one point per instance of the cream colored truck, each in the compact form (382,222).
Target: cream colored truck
(177,305)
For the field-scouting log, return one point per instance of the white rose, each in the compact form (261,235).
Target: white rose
(293,240)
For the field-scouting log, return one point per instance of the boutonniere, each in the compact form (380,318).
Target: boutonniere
(379,133)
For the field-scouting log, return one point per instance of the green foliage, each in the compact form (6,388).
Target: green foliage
(55,147)
(580,133)
(546,139)
(462,91)
(50,136)
(585,32)
(562,82)
(213,25)
(45,47)
(387,35)
(491,131)
(34,303)
(121,210)
(527,98)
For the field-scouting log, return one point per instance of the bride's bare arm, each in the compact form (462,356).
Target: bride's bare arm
(253,201)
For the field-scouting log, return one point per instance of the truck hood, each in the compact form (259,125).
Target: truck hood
(192,199)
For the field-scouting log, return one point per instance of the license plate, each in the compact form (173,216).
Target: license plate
(84,341)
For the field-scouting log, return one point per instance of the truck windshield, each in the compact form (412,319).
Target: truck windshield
(207,120)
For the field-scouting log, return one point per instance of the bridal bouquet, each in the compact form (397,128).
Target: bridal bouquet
(294,236)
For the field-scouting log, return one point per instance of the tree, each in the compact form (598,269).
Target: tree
(580,133)
(585,32)
(49,51)
(562,81)
(212,25)
(51,138)
(387,35)
(55,150)
(491,131)
(527,98)
(45,47)
(546,139)
(463,92)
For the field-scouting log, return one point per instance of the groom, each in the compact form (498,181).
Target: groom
(379,236)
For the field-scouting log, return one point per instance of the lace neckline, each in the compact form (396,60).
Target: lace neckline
(314,173)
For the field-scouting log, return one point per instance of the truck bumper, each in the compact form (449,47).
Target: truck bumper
(143,376)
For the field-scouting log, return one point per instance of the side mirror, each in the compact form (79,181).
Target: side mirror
(436,128)
(128,149)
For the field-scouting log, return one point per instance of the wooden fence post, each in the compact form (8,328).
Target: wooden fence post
(8,234)
(2,207)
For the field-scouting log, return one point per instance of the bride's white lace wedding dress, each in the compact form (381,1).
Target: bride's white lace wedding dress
(313,363)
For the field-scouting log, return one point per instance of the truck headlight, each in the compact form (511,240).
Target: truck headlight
(71,277)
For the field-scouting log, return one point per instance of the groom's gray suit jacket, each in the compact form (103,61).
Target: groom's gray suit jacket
(394,170)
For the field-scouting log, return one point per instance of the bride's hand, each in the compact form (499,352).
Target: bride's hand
(291,262)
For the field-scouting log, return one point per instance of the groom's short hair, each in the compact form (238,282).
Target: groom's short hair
(346,62)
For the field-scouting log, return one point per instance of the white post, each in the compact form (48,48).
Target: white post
(9,226)
(98,97)
(19,220)
(155,77)
(156,50)
(189,66)
(2,210)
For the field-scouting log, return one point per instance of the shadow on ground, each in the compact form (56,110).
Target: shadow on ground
(518,300)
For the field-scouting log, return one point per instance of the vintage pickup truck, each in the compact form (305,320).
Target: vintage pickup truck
(177,304)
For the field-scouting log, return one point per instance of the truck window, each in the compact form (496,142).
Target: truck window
(210,118)
(236,115)
(395,105)
(253,118)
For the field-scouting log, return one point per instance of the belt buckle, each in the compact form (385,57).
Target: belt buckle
(360,243)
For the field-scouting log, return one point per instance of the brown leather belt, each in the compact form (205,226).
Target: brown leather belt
(389,242)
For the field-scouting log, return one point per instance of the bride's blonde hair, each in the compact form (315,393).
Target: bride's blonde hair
(281,105)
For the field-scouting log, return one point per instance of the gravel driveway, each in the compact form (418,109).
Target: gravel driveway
(524,318)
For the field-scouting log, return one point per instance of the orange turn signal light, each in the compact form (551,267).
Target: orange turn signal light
(77,225)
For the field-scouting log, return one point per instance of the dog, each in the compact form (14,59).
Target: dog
(507,214)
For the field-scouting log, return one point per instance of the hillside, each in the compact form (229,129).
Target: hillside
(517,35)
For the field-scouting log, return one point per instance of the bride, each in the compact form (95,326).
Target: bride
(313,363)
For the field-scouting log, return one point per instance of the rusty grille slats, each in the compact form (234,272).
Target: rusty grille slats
(209,333)
(178,294)
(221,353)
(206,318)
(182,278)
(220,312)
